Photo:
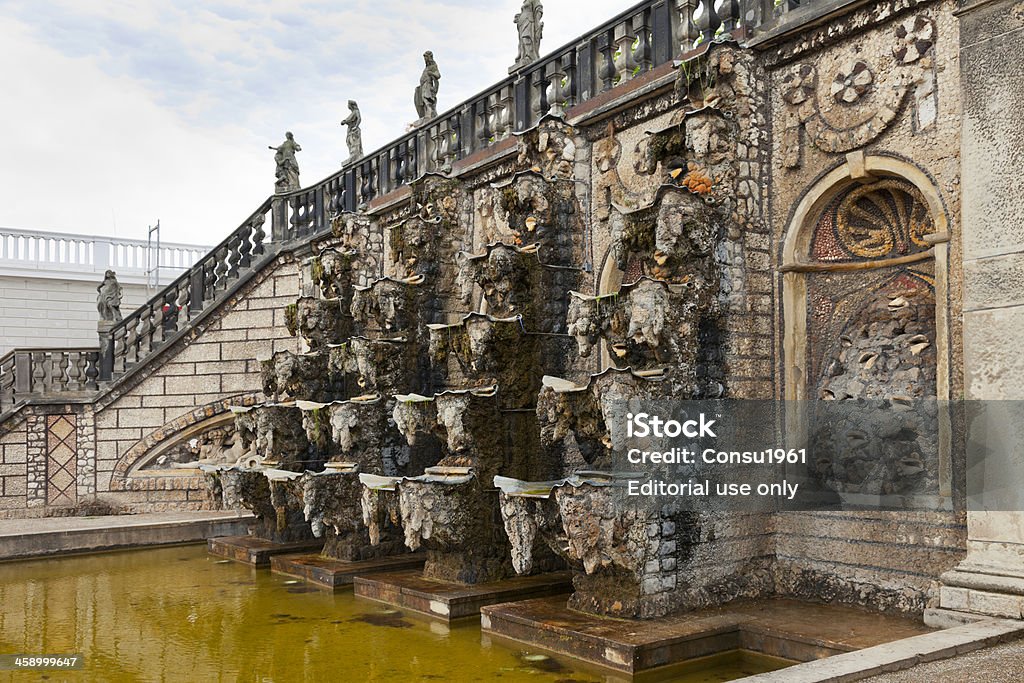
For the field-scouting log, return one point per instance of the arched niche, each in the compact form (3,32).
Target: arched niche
(871,234)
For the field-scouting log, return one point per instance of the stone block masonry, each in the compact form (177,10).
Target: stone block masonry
(60,459)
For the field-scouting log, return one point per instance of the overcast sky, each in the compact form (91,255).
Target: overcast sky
(117,113)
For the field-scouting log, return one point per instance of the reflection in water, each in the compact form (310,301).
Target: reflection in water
(175,614)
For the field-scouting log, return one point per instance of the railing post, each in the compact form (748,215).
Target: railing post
(279,228)
(105,331)
(521,98)
(319,217)
(22,372)
(585,71)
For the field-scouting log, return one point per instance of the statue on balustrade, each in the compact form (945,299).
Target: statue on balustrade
(425,97)
(354,138)
(287,166)
(108,301)
(531,29)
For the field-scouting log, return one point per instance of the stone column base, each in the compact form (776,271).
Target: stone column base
(972,592)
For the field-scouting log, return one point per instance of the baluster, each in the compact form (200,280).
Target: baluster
(181,303)
(538,93)
(560,78)
(62,376)
(488,118)
(643,54)
(209,278)
(706,19)
(412,159)
(244,246)
(38,375)
(688,31)
(220,269)
(259,234)
(729,12)
(296,216)
(234,254)
(365,183)
(131,345)
(145,343)
(92,370)
(395,173)
(606,72)
(76,370)
(624,64)
(7,370)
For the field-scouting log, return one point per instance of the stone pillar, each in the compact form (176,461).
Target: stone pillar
(990,580)
(103,330)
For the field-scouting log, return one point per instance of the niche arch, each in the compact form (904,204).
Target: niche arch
(871,234)
(799,264)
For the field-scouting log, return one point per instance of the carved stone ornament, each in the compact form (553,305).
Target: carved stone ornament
(851,82)
(876,101)
(914,37)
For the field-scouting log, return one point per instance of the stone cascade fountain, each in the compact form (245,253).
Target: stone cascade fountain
(486,369)
(332,419)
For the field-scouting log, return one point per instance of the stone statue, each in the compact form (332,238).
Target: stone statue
(531,29)
(108,301)
(354,138)
(287,167)
(426,92)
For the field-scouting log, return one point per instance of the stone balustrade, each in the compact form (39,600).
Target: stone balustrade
(42,254)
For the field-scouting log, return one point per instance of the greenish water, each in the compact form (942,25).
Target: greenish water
(177,614)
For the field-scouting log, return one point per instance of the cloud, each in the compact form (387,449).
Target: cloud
(146,110)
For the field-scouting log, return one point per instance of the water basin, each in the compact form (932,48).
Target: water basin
(178,614)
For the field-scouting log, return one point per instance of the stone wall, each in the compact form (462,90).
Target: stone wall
(843,98)
(191,382)
(13,466)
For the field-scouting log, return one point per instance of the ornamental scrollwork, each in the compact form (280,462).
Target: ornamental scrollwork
(886,219)
(856,92)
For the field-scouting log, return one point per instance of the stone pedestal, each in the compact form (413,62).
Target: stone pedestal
(990,580)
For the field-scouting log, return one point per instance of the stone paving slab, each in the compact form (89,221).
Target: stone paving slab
(905,654)
(258,551)
(36,537)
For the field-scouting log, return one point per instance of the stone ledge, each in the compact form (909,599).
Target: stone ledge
(26,538)
(898,655)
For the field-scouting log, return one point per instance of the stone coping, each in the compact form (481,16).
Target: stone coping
(899,654)
(43,536)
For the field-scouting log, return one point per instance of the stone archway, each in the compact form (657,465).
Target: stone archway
(870,251)
(128,472)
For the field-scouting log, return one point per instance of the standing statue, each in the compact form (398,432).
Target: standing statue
(531,29)
(108,301)
(287,167)
(426,92)
(354,138)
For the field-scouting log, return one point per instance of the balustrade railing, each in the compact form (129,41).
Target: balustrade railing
(26,373)
(638,40)
(67,253)
(631,44)
(131,340)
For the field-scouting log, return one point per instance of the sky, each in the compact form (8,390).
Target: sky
(119,113)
